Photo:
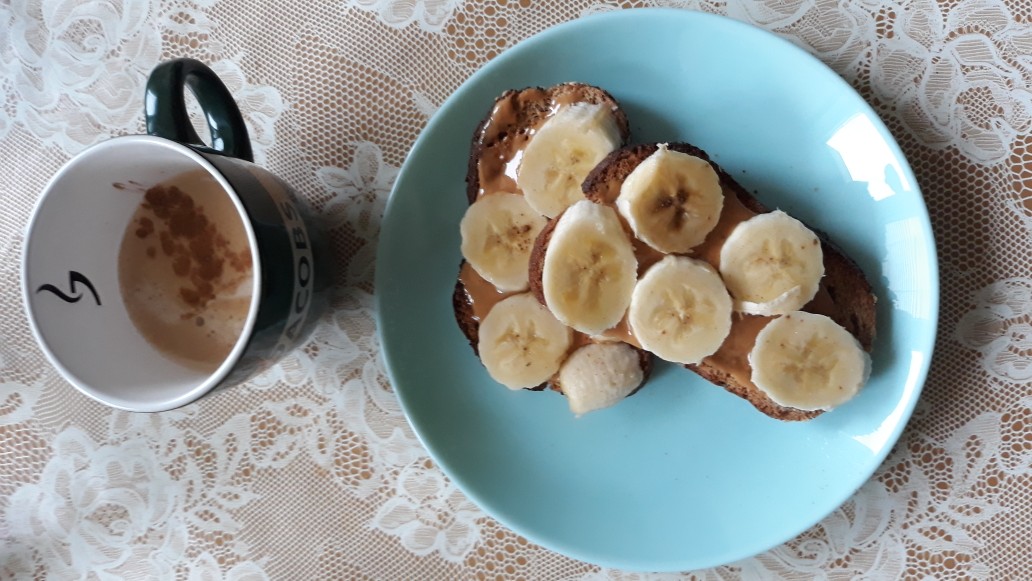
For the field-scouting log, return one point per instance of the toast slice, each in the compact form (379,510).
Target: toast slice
(844,295)
(511,123)
(496,145)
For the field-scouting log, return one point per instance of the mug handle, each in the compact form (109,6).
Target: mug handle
(165,108)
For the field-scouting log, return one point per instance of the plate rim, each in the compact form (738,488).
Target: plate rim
(739,27)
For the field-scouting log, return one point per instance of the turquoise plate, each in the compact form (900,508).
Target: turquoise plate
(682,475)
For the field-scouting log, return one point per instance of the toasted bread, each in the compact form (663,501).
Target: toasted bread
(845,294)
(507,128)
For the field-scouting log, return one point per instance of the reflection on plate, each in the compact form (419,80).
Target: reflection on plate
(682,475)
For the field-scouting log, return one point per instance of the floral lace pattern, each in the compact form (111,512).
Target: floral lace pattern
(429,15)
(970,88)
(108,509)
(64,85)
(1000,327)
(333,97)
(429,514)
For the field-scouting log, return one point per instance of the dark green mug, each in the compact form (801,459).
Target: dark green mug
(125,203)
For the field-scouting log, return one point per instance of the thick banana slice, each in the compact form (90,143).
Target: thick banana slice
(680,310)
(599,375)
(772,264)
(498,233)
(808,362)
(521,343)
(562,152)
(589,268)
(672,200)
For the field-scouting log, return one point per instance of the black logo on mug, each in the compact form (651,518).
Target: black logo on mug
(73,295)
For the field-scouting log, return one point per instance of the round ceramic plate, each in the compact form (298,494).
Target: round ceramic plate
(682,475)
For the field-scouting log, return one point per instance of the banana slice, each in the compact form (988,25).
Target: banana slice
(521,343)
(808,362)
(599,375)
(589,268)
(498,233)
(562,152)
(680,310)
(672,200)
(772,264)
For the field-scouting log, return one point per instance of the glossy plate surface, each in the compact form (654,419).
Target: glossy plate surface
(682,475)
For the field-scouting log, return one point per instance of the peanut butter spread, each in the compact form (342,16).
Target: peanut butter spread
(503,143)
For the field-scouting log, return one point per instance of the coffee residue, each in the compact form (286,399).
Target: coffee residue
(185,269)
(198,252)
(132,186)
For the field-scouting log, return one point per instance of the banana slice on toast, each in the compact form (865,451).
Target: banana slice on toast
(521,343)
(588,268)
(498,232)
(562,152)
(599,375)
(680,310)
(772,264)
(808,362)
(671,200)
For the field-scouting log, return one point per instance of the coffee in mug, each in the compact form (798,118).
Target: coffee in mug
(185,269)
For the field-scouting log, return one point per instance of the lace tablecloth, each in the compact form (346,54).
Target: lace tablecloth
(311,471)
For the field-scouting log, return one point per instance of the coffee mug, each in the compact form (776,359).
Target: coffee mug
(157,269)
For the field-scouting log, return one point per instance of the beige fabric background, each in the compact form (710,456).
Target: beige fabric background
(310,471)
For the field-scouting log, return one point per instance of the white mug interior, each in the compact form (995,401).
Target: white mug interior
(78,226)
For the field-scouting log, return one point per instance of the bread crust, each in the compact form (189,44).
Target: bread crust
(462,304)
(537,259)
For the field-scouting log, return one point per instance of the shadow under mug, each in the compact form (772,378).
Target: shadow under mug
(70,265)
